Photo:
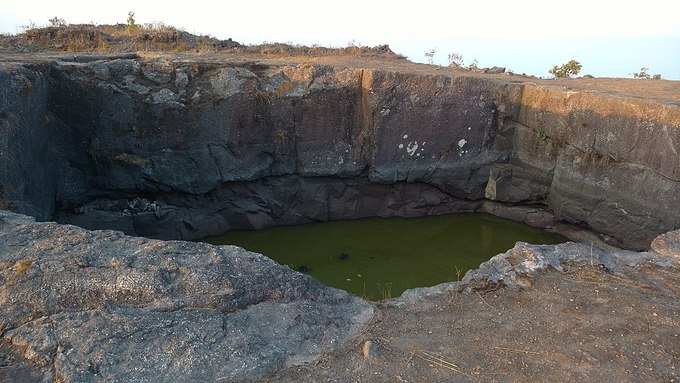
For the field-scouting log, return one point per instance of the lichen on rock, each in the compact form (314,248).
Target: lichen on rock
(82,305)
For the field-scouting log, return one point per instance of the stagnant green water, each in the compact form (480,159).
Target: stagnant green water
(379,258)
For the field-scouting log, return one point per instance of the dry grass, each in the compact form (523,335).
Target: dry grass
(435,359)
(22,266)
(160,38)
(278,49)
(116,38)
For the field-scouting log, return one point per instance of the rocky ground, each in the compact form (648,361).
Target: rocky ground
(586,323)
(100,306)
(80,306)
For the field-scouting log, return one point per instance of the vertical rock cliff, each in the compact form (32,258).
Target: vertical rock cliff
(186,148)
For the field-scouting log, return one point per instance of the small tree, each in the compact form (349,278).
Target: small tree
(455,59)
(474,65)
(131,22)
(57,22)
(642,74)
(31,25)
(430,55)
(571,68)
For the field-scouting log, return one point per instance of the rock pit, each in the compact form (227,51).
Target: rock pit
(187,146)
(183,147)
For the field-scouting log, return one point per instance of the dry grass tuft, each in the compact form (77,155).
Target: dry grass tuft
(438,360)
(22,266)
(115,38)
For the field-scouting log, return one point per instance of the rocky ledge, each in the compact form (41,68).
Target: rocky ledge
(517,267)
(84,305)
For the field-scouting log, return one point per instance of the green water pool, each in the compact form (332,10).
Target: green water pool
(379,258)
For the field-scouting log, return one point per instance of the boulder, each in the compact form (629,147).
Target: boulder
(84,305)
(495,70)
(668,244)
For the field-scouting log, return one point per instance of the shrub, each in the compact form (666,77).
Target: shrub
(455,59)
(57,22)
(642,74)
(430,55)
(571,68)
(131,22)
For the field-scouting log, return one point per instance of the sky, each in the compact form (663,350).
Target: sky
(610,38)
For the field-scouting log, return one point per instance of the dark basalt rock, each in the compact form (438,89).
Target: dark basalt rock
(211,147)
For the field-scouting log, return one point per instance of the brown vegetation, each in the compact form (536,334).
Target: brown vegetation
(112,38)
(132,37)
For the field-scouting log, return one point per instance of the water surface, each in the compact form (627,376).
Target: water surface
(378,258)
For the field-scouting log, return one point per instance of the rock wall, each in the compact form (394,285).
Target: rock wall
(608,163)
(184,149)
(173,150)
(27,182)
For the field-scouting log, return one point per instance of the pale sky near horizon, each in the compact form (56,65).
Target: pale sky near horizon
(611,38)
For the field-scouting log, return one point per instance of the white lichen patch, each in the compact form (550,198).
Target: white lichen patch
(229,81)
(129,82)
(164,96)
(412,148)
(181,78)
(462,142)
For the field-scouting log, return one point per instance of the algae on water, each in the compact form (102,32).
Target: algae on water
(379,258)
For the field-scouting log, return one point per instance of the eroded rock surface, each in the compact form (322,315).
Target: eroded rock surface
(216,145)
(534,314)
(82,305)
(517,267)
(668,244)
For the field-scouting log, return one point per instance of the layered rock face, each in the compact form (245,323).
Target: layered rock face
(609,163)
(187,149)
(27,182)
(83,306)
